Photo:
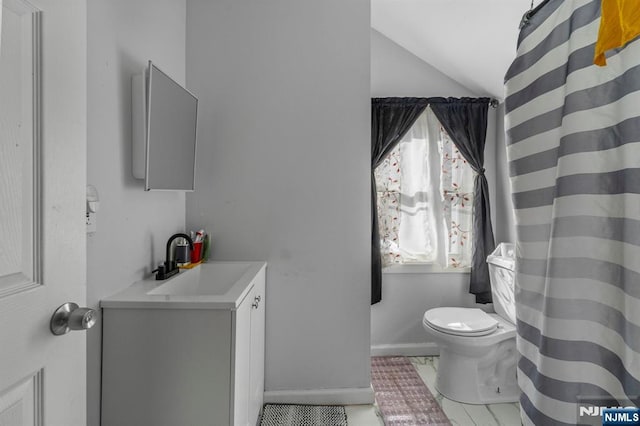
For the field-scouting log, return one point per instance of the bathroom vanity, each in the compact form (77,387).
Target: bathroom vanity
(188,350)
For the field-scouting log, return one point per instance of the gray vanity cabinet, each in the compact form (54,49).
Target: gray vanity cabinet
(185,365)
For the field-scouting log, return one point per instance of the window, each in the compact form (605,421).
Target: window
(425,198)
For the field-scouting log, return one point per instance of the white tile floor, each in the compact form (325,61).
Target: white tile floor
(459,414)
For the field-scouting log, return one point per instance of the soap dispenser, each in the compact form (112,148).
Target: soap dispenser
(182,253)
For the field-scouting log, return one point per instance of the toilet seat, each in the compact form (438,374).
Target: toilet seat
(461,321)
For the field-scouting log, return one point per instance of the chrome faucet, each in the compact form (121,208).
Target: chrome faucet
(170,268)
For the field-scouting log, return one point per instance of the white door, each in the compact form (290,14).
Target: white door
(42,188)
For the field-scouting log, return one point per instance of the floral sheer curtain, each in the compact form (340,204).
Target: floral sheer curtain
(425,191)
(456,189)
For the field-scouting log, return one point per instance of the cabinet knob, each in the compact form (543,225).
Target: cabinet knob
(256,302)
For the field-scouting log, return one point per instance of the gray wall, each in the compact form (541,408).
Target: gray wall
(506,232)
(396,321)
(132,225)
(283,172)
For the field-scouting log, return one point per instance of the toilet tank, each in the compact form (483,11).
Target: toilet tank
(502,264)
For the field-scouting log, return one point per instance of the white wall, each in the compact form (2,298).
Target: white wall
(397,72)
(132,225)
(396,322)
(283,172)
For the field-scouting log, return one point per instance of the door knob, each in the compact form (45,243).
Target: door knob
(71,317)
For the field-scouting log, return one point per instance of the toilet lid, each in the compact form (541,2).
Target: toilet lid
(461,321)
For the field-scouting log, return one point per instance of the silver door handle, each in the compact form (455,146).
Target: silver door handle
(71,317)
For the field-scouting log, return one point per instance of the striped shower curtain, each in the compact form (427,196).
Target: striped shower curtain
(573,142)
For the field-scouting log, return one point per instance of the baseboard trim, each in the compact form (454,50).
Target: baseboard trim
(406,349)
(349,396)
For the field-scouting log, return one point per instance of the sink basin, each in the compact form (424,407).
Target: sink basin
(211,285)
(205,280)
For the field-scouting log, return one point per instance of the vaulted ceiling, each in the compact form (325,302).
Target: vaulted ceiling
(471,41)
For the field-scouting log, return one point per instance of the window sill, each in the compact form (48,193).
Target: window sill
(423,268)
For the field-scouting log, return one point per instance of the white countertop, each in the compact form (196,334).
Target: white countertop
(211,285)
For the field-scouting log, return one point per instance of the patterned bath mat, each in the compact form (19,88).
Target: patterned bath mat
(402,396)
(303,415)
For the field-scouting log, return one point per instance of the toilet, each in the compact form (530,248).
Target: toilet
(477,349)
